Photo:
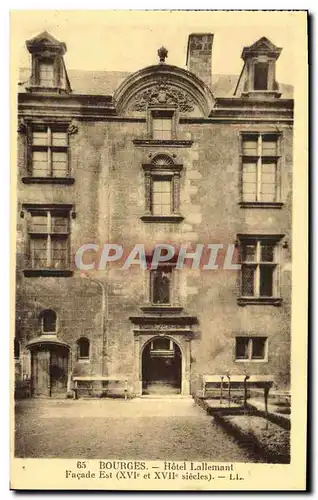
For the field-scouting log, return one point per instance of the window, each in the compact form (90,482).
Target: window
(251,349)
(259,270)
(260,155)
(160,285)
(48,319)
(16,349)
(162,124)
(161,199)
(162,190)
(260,76)
(83,348)
(49,152)
(46,73)
(49,239)
(162,128)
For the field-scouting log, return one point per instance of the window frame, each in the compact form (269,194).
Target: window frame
(26,128)
(50,148)
(49,234)
(51,332)
(171,172)
(78,348)
(250,339)
(257,298)
(155,111)
(166,268)
(261,159)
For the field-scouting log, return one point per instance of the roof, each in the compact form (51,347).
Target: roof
(105,83)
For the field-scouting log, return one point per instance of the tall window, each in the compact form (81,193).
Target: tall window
(49,152)
(251,348)
(259,271)
(49,239)
(260,155)
(48,319)
(161,199)
(16,349)
(160,285)
(162,124)
(260,76)
(83,348)
(46,73)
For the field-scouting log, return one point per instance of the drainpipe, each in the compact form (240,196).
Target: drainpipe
(104,311)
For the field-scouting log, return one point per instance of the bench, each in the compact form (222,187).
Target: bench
(87,383)
(227,383)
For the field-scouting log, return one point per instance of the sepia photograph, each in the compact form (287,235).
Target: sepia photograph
(154,211)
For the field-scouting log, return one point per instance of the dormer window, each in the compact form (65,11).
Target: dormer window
(48,68)
(46,74)
(260,76)
(257,79)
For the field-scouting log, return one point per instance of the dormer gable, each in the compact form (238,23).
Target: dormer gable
(48,72)
(258,79)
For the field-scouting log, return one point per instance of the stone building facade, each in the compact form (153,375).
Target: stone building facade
(162,155)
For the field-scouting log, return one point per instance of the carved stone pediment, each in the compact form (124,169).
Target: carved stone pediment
(163,93)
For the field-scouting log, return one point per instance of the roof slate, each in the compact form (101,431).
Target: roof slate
(105,83)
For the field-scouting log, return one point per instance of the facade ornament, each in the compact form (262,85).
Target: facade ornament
(22,127)
(72,129)
(163,54)
(163,93)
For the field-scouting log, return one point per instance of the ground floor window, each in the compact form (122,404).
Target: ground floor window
(251,348)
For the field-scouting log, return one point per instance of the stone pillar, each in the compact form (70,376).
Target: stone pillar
(137,375)
(186,366)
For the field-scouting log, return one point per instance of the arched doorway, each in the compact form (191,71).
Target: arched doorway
(161,367)
(49,369)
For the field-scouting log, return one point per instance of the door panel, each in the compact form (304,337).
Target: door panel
(58,371)
(40,373)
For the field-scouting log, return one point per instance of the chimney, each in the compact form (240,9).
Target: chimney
(199,56)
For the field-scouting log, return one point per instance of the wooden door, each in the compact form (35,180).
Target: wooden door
(40,373)
(58,371)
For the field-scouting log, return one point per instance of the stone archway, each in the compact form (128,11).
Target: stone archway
(183,345)
(161,366)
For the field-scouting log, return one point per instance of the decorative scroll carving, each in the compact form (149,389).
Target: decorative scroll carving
(163,93)
(22,127)
(72,129)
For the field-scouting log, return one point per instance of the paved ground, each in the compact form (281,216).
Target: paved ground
(152,429)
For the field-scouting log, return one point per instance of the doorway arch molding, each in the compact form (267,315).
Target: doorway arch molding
(182,340)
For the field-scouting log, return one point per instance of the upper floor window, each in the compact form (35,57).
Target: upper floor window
(46,73)
(49,239)
(162,190)
(161,285)
(48,321)
(49,152)
(162,124)
(251,348)
(260,168)
(261,76)
(161,200)
(259,268)
(83,348)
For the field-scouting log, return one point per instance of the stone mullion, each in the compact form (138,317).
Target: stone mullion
(148,192)
(176,193)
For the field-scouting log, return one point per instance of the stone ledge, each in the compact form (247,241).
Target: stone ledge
(246,301)
(48,180)
(30,273)
(175,218)
(166,143)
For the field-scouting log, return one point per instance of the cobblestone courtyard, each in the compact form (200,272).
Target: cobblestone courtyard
(153,429)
